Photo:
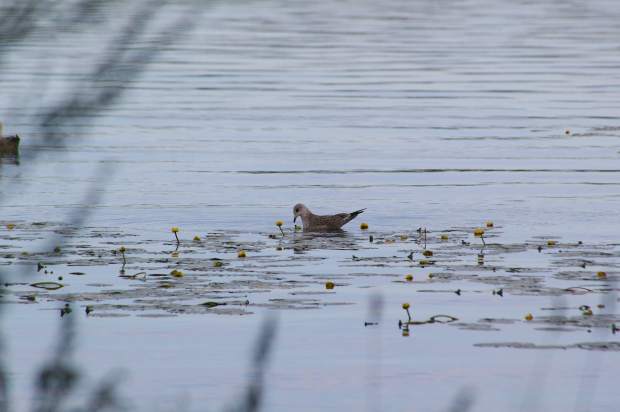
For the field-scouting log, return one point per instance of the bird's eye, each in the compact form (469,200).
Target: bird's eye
(296,210)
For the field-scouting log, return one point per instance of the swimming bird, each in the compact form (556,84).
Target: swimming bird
(325,223)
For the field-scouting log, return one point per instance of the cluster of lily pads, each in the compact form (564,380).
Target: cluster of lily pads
(232,272)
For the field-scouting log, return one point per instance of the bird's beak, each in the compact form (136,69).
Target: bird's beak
(295,220)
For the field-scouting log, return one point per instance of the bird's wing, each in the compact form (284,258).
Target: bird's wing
(331,222)
(347,217)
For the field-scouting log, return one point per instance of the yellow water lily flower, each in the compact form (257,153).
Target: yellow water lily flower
(175,230)
(279,224)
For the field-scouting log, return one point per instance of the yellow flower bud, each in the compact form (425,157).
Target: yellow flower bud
(364,226)
(488,223)
(427,253)
(10,226)
(409,278)
(176,273)
(601,275)
(241,253)
(551,243)
(174,229)
(478,232)
(444,237)
(528,317)
(406,306)
(279,223)
(329,285)
(122,249)
(196,238)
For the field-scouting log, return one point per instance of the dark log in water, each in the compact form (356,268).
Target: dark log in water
(9,145)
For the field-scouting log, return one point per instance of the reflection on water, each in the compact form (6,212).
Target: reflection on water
(334,240)
(429,114)
(9,160)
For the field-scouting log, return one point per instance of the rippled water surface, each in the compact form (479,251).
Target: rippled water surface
(429,114)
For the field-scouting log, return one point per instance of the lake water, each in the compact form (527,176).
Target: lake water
(429,114)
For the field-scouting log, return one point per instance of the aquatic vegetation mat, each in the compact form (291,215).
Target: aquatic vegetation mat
(108,273)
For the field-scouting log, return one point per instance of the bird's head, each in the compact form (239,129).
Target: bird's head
(299,210)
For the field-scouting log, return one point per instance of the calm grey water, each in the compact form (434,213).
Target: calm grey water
(435,114)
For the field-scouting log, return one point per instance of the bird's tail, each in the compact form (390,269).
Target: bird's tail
(353,215)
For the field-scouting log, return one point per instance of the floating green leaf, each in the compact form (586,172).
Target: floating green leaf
(47,285)
(212,304)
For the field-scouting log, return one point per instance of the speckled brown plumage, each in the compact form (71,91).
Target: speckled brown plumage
(322,223)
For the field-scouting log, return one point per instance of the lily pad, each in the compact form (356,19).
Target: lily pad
(47,285)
